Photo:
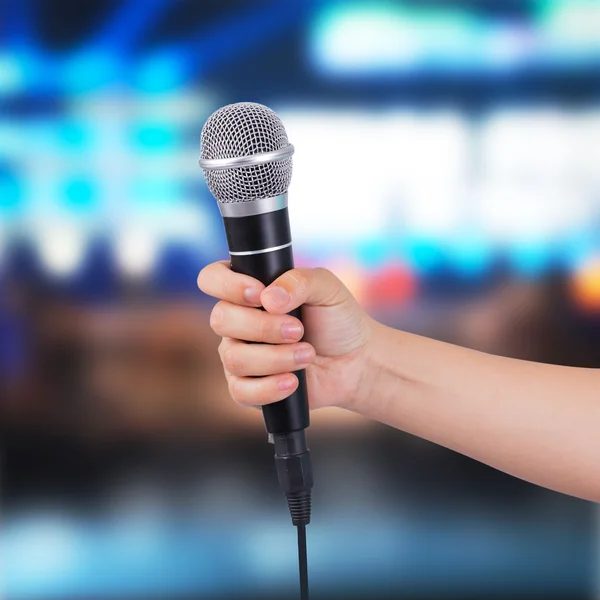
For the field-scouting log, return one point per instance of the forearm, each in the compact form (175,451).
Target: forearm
(535,421)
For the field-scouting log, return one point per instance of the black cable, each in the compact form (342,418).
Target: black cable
(303,562)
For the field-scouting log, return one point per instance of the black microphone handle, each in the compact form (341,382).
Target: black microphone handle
(257,233)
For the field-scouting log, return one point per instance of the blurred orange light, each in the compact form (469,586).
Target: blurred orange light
(585,285)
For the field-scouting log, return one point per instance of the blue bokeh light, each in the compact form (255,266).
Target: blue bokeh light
(80,195)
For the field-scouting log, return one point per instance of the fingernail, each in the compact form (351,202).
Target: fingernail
(287,383)
(278,296)
(252,295)
(291,331)
(304,355)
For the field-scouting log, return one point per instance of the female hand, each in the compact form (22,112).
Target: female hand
(335,335)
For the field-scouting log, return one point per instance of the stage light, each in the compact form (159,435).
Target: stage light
(321,177)
(585,284)
(189,223)
(530,259)
(386,39)
(390,286)
(423,254)
(161,72)
(12,76)
(540,142)
(11,139)
(61,247)
(540,211)
(39,555)
(572,25)
(90,71)
(364,39)
(412,172)
(80,195)
(136,251)
(75,134)
(155,137)
(471,254)
(154,195)
(11,196)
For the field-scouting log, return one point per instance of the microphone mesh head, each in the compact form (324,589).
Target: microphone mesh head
(244,129)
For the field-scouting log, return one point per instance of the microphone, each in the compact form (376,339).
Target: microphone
(247,162)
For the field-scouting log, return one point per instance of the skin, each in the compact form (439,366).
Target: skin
(535,421)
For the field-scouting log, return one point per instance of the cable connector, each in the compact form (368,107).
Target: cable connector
(294,470)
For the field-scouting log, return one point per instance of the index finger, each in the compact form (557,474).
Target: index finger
(219,281)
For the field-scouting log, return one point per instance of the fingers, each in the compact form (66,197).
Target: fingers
(243,323)
(218,280)
(264,390)
(292,289)
(251,360)
(303,286)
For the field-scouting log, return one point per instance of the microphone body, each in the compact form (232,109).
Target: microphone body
(260,246)
(246,159)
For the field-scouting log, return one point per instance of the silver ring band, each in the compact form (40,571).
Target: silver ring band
(250,252)
(210,164)
(254,207)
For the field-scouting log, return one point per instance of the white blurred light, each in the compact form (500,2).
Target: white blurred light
(337,189)
(530,143)
(61,247)
(436,210)
(136,250)
(536,212)
(573,24)
(179,108)
(354,172)
(187,222)
(367,39)
(588,148)
(12,140)
(437,147)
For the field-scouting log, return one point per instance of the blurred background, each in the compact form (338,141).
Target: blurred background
(447,169)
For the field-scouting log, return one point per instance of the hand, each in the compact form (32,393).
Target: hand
(336,334)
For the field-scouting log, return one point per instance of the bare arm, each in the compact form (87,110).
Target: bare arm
(535,421)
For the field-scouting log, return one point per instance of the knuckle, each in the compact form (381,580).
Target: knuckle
(323,271)
(239,391)
(231,361)
(201,280)
(227,288)
(333,288)
(223,344)
(217,317)
(262,328)
(300,280)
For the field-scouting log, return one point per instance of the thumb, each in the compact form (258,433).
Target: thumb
(317,287)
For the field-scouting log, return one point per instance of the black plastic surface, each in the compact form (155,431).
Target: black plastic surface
(255,233)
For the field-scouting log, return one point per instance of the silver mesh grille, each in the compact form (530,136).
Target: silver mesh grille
(244,129)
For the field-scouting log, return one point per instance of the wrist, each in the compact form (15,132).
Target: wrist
(390,375)
(373,369)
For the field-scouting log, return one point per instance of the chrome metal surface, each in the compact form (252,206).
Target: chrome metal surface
(246,134)
(210,164)
(251,252)
(256,207)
